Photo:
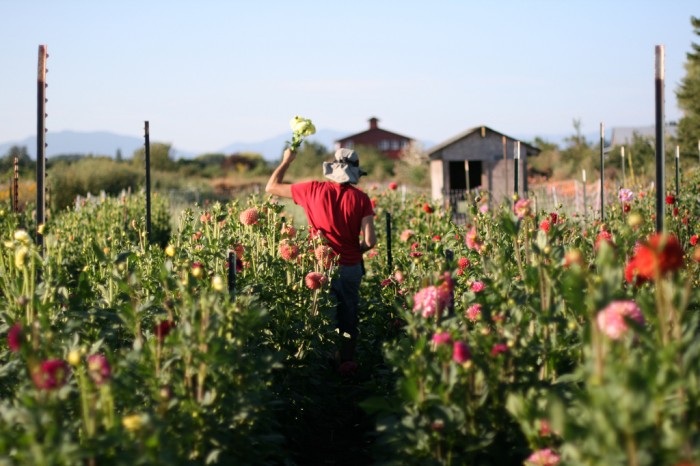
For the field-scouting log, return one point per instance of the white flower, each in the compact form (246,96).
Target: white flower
(301,128)
(22,236)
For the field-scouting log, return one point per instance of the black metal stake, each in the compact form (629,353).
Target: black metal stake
(388,241)
(505,161)
(516,168)
(148,183)
(41,145)
(232,275)
(602,172)
(660,169)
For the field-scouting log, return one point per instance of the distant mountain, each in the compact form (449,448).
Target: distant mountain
(271,149)
(107,144)
(95,143)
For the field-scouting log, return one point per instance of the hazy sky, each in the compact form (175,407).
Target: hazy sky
(208,73)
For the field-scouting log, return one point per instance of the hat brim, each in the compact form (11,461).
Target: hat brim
(342,172)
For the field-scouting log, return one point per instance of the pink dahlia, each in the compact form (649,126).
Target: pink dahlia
(461,352)
(99,369)
(472,240)
(431,300)
(315,280)
(14,337)
(478,286)
(522,208)
(441,338)
(611,320)
(51,374)
(473,312)
(249,216)
(544,457)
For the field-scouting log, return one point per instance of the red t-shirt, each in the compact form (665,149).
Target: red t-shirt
(336,211)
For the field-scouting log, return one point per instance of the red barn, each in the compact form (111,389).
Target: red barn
(388,143)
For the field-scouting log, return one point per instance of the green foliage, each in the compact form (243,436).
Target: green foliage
(376,164)
(160,157)
(688,95)
(7,162)
(309,161)
(89,175)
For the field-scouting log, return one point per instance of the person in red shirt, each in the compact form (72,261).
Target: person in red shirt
(340,212)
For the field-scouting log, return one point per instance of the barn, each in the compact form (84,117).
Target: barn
(478,159)
(387,142)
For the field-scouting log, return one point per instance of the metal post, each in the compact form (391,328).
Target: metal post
(41,145)
(660,169)
(388,242)
(516,165)
(602,172)
(232,275)
(505,163)
(148,183)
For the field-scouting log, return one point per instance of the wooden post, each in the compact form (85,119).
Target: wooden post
(41,145)
(148,183)
(602,172)
(622,163)
(660,169)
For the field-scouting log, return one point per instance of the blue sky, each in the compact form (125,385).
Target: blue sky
(208,73)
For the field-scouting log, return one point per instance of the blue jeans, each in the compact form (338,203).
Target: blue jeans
(345,288)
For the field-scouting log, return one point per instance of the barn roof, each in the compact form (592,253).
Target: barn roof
(435,149)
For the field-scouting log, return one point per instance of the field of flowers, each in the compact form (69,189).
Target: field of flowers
(522,337)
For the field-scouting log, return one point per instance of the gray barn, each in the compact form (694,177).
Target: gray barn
(479,158)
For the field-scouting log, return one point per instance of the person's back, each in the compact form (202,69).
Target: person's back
(335,210)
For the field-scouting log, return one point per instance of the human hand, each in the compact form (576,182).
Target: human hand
(289,155)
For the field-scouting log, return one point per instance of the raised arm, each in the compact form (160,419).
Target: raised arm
(276,184)
(369,237)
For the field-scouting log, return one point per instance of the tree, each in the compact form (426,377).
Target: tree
(688,95)
(413,166)
(578,155)
(310,158)
(160,157)
(23,159)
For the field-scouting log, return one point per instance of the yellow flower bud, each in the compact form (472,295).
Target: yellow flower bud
(635,219)
(41,229)
(217,283)
(74,358)
(170,250)
(20,256)
(133,422)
